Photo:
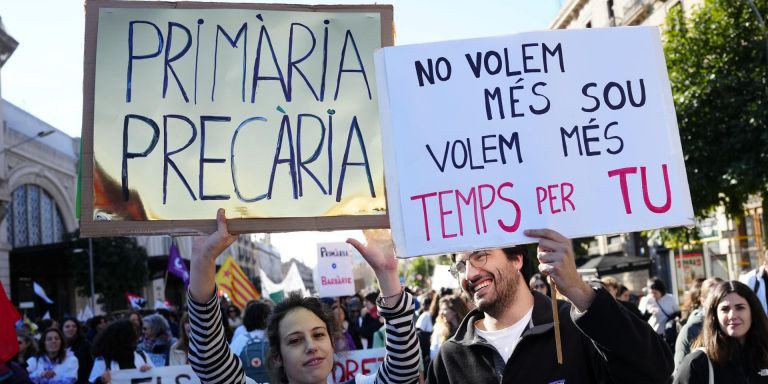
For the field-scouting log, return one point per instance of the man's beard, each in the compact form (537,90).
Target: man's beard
(506,288)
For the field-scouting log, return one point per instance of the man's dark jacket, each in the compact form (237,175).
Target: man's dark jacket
(605,344)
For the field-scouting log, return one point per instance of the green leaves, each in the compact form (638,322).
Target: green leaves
(717,67)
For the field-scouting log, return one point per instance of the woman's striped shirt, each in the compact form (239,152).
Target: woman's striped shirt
(215,363)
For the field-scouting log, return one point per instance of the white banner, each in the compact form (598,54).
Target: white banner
(347,364)
(175,374)
(571,130)
(334,270)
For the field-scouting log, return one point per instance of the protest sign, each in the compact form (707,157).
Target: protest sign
(334,270)
(570,130)
(347,364)
(175,374)
(266,110)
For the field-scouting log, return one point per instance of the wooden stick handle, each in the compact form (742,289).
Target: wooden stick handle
(556,319)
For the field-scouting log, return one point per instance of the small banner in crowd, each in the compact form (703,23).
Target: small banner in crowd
(334,270)
(347,364)
(570,130)
(175,374)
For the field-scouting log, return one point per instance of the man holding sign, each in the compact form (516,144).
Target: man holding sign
(510,337)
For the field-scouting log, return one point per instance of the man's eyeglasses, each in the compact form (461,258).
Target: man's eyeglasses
(476,259)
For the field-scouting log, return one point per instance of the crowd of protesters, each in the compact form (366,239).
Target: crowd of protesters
(720,332)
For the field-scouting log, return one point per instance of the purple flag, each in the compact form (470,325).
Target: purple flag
(176,265)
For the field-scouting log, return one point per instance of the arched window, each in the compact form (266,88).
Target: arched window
(34,218)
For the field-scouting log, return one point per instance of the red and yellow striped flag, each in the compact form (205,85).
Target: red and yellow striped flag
(233,281)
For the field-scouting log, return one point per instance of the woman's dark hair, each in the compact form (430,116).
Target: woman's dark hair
(719,346)
(292,302)
(233,308)
(256,315)
(183,342)
(78,333)
(61,354)
(658,285)
(117,342)
(371,297)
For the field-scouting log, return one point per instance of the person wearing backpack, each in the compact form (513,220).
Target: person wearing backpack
(252,346)
(115,349)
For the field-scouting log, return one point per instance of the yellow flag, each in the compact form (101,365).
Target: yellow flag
(233,281)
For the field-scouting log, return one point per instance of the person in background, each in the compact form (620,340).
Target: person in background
(757,281)
(138,322)
(424,325)
(692,328)
(96,325)
(538,283)
(52,365)
(612,285)
(733,340)
(344,342)
(80,347)
(369,323)
(233,316)
(115,349)
(691,300)
(179,350)
(452,311)
(659,306)
(157,339)
(27,347)
(355,318)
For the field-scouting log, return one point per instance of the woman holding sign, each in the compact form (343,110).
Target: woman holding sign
(301,329)
(733,345)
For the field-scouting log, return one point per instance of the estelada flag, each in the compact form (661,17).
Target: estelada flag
(233,282)
(9,347)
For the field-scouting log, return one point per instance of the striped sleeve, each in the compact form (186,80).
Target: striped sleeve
(401,364)
(209,354)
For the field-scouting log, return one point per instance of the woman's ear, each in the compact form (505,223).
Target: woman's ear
(277,360)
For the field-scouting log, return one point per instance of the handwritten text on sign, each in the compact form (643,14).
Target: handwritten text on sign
(267,113)
(177,374)
(334,269)
(348,364)
(570,130)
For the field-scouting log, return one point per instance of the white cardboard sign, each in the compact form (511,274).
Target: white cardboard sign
(348,364)
(334,270)
(570,130)
(178,374)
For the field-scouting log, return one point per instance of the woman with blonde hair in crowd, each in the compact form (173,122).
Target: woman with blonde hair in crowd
(733,341)
(452,310)
(179,350)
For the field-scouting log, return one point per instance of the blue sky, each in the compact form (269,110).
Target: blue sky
(44,75)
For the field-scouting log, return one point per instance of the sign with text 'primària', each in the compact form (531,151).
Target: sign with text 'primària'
(570,130)
(266,110)
(334,270)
